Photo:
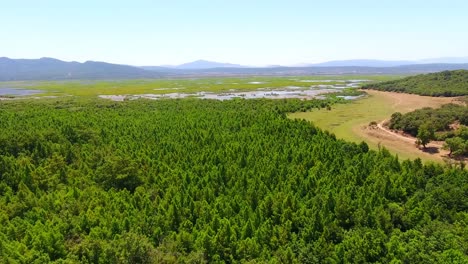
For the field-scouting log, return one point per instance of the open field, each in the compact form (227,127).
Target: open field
(350,121)
(192,85)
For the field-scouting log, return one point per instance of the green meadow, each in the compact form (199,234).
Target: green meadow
(342,118)
(181,85)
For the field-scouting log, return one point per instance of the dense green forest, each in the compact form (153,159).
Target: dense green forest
(447,123)
(197,181)
(446,83)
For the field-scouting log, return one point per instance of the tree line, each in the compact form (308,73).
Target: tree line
(445,83)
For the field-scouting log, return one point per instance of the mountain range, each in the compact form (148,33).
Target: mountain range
(202,64)
(390,63)
(53,69)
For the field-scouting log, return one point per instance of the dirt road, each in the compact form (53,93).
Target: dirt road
(392,140)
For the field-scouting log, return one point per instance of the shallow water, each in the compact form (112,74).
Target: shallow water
(321,81)
(274,94)
(310,92)
(279,94)
(173,88)
(18,92)
(350,97)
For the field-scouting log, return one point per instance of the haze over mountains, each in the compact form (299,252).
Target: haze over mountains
(203,64)
(390,63)
(54,69)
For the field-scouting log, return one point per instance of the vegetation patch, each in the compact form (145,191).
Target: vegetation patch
(447,123)
(187,85)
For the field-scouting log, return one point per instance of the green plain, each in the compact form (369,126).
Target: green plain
(183,85)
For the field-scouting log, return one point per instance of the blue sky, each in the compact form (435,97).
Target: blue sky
(238,31)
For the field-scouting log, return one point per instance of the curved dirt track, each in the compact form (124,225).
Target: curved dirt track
(403,103)
(381,126)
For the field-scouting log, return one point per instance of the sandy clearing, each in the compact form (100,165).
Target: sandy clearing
(399,143)
(404,103)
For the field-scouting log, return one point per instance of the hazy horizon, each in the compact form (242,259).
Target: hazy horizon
(416,61)
(147,33)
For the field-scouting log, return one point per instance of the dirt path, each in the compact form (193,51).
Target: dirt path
(399,136)
(398,143)
(381,126)
(404,103)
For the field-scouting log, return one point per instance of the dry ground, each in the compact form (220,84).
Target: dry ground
(396,141)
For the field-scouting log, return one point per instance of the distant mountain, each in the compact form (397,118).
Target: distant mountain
(53,69)
(310,70)
(165,68)
(387,63)
(330,70)
(203,64)
(195,65)
(361,63)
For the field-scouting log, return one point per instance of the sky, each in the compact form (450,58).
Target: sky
(248,32)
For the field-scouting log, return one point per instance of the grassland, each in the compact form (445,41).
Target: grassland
(350,121)
(186,85)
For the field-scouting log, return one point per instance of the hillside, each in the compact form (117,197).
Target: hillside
(203,181)
(194,65)
(391,63)
(316,70)
(362,63)
(53,69)
(203,64)
(446,83)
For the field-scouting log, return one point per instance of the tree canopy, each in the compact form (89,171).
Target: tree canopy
(425,134)
(197,181)
(440,119)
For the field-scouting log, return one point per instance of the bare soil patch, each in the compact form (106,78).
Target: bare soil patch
(400,142)
(404,103)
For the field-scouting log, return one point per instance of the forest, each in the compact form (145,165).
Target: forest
(206,181)
(445,83)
